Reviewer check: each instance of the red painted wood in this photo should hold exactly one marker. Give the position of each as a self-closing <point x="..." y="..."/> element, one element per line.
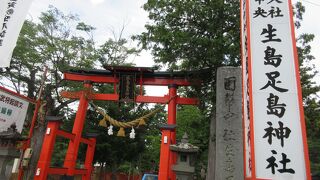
<point x="167" y="82"/>
<point x="187" y="101"/>
<point x="89" y="158"/>
<point x="66" y="134"/>
<point x="57" y="171"/>
<point x="164" y="156"/>
<point x="86" y="141"/>
<point x="168" y="158"/>
<point x="152" y="99"/>
<point x="105" y="97"/>
<point x="70" y="94"/>
<point x="172" y="114"/>
<point x="96" y="79"/>
<point x="33" y="101"/>
<point x="46" y="151"/>
<point x="80" y="171"/>
<point x="73" y="147"/>
<point x="139" y="98"/>
<point x="93" y="96"/>
<point x="145" y="81"/>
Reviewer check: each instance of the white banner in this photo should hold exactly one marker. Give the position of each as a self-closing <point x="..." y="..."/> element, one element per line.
<point x="12" y="16"/>
<point x="12" y="110"/>
<point x="275" y="138"/>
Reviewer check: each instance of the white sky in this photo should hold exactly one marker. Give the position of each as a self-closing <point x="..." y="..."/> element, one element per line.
<point x="310" y="25"/>
<point x="107" y="15"/>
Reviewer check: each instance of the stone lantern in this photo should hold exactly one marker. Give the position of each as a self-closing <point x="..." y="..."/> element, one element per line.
<point x="8" y="150"/>
<point x="185" y="165"/>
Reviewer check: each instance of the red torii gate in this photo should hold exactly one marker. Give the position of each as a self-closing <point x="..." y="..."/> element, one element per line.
<point x="143" y="76"/>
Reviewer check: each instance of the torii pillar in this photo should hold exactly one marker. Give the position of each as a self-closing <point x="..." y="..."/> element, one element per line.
<point x="73" y="148"/>
<point x="168" y="158"/>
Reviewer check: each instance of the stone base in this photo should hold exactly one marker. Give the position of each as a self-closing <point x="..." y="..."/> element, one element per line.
<point x="7" y="155"/>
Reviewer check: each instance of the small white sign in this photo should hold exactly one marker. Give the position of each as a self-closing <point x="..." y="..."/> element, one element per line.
<point x="165" y="139"/>
<point x="48" y="131"/>
<point x="15" y="167"/>
<point x="38" y="172"/>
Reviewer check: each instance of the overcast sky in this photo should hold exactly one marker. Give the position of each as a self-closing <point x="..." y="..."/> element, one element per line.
<point x="108" y="15"/>
<point x="310" y="25"/>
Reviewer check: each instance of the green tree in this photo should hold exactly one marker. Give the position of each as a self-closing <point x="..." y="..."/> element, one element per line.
<point x="193" y="35"/>
<point x="117" y="50"/>
<point x="191" y="120"/>
<point x="181" y="28"/>
<point x="309" y="90"/>
<point x="60" y="42"/>
<point x="149" y="160"/>
<point x="51" y="42"/>
<point x="189" y="35"/>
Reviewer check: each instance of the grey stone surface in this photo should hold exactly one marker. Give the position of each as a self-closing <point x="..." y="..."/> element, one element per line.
<point x="229" y="148"/>
<point x="8" y="150"/>
<point x="212" y="150"/>
<point x="7" y="154"/>
<point x="184" y="167"/>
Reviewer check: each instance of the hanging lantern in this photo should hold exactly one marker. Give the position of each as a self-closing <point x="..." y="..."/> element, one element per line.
<point x="110" y="130"/>
<point x="132" y="134"/>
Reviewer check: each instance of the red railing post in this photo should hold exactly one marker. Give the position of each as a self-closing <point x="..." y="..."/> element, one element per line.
<point x="164" y="166"/>
<point x="73" y="147"/>
<point x="89" y="158"/>
<point x="47" y="147"/>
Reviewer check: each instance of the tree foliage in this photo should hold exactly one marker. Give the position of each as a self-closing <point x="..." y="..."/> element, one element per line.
<point x="60" y="42"/>
<point x="51" y="42"/>
<point x="181" y="28"/>
<point x="191" y="120"/>
<point x="193" y="35"/>
<point x="309" y="90"/>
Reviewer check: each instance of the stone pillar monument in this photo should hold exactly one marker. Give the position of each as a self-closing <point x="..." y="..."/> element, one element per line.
<point x="229" y="141"/>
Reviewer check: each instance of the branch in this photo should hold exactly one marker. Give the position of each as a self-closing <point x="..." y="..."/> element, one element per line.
<point x="64" y="104"/>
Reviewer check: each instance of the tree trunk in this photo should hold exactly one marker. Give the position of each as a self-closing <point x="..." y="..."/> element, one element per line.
<point x="38" y="134"/>
<point x="36" y="144"/>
